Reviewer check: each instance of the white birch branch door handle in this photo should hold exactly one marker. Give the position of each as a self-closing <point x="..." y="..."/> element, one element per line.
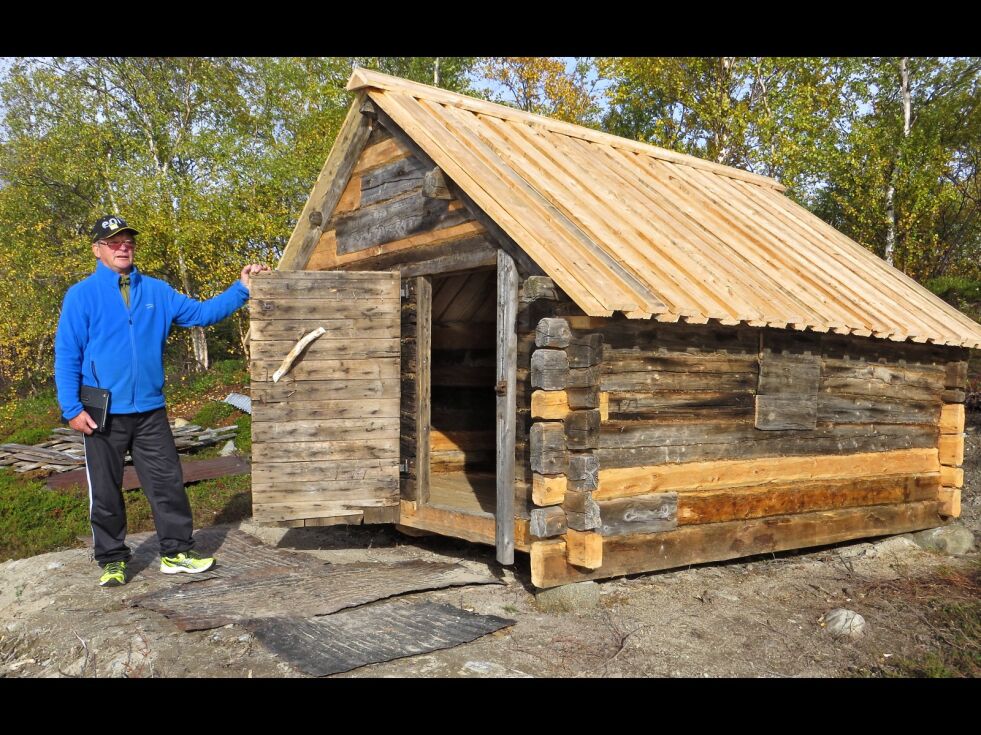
<point x="295" y="352"/>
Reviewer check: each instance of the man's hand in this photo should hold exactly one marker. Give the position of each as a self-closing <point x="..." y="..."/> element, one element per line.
<point x="84" y="423"/>
<point x="248" y="270"/>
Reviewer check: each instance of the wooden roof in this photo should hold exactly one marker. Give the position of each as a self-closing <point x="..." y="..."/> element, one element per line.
<point x="624" y="226"/>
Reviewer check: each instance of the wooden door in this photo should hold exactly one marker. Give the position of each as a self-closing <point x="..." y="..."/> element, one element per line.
<point x="325" y="436"/>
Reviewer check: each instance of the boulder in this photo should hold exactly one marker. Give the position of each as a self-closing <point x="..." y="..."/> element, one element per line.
<point x="569" y="597"/>
<point x="843" y="623"/>
<point x="951" y="540"/>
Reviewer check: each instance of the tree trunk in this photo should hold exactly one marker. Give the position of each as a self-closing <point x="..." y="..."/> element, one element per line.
<point x="891" y="189"/>
<point x="436" y="73"/>
<point x="199" y="342"/>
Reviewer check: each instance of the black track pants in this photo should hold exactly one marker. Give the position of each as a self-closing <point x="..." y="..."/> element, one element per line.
<point x="148" y="438"/>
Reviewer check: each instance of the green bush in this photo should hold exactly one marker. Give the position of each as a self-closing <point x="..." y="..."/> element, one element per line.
<point x="214" y="414"/>
<point x="26" y="417"/>
<point x="243" y="439"/>
<point x="35" y="520"/>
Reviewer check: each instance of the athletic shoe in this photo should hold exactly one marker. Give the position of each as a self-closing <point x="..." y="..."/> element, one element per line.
<point x="190" y="562"/>
<point x="113" y="574"/>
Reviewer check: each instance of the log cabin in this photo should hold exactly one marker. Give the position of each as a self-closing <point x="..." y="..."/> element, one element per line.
<point x="606" y="355"/>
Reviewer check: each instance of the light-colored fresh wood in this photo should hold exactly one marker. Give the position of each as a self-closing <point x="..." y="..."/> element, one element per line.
<point x="718" y="541"/>
<point x="480" y="529"/>
<point x="952" y="418"/>
<point x="950" y="502"/>
<point x="584" y="549"/>
<point x="506" y="374"/>
<point x="951" y="449"/>
<point x="549" y="404"/>
<point x="952" y="476"/>
<point x="548" y="489"/>
<point x="629" y="481"/>
<point x="604" y="405"/>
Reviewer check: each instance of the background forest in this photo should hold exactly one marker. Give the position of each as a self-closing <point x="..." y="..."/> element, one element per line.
<point x="212" y="159"/>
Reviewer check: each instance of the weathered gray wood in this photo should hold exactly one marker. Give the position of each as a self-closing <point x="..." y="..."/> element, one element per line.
<point x="507" y="365"/>
<point x="553" y="333"/>
<point x="955" y="375"/>
<point x="855" y="410"/>
<point x="625" y="405"/>
<point x="585" y="350"/>
<point x="583" y="377"/>
<point x="344" y="389"/>
<point x="394" y="220"/>
<point x="477" y="253"/>
<point x="547" y="522"/>
<point x="642" y="514"/>
<point x="326" y="451"/>
<point x="549" y="369"/>
<point x="392" y="179"/>
<point x="626" y="361"/>
<point x="578" y="501"/>
<point x="423" y="383"/>
<point x="327" y="347"/>
<point x="785" y="412"/>
<point x="587" y="397"/>
<point x="371" y="327"/>
<point x="953" y="396"/>
<point x="581" y="511"/>
<point x="538" y="287"/>
<point x="583" y="471"/>
<point x="303" y="308"/>
<point x="434" y="185"/>
<point x="653" y="381"/>
<point x="643" y="336"/>
<point x="320" y="370"/>
<point x="840" y="440"/>
<point x="781" y="375"/>
<point x="582" y="429"/>
<point x="549" y="455"/>
<point x="865" y="387"/>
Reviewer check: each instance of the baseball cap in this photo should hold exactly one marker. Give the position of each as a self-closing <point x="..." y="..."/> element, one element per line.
<point x="109" y="225"/>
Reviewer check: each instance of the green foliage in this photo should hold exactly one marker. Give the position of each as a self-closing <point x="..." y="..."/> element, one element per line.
<point x="24" y="418"/>
<point x="35" y="520"/>
<point x="221" y="500"/>
<point x="222" y="374"/>
<point x="545" y="86"/>
<point x="243" y="439"/>
<point x="213" y="414"/>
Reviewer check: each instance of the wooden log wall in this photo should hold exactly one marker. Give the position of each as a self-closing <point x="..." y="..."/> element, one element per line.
<point x="689" y="426"/>
<point x="388" y="217"/>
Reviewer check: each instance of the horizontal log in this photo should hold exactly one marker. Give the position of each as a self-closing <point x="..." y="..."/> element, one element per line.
<point x="955" y="375"/>
<point x="953" y="396"/>
<point x="327" y="286"/>
<point x="669" y="381"/>
<point x="549" y="369"/>
<point x="629" y="361"/>
<point x="691" y="476"/>
<point x="680" y="405"/>
<point x="303" y="308"/>
<point x="290" y="330"/>
<point x="548" y="451"/>
<point x="391" y="180"/>
<point x="950" y="502"/>
<point x="549" y="404"/>
<point x="951" y="449"/>
<point x="326" y="490"/>
<point x="547" y="522"/>
<point x="952" y="419"/>
<point x="582" y="429"/>
<point x="585" y="350"/>
<point x="548" y="489"/>
<point x="268" y="512"/>
<point x="856" y="410"/>
<point x="537" y="287"/>
<point x="584" y="549"/>
<point x="757" y="501"/>
<point x="644" y="514"/>
<point x="952" y="476"/>
<point x="840" y="440"/>
<point x="395" y="220"/>
<point x="876" y="389"/>
<point x="719" y="541"/>
<point x="455" y="524"/>
<point x="785" y="412"/>
<point x="929" y="377"/>
<point x="553" y="332"/>
<point x="645" y="336"/>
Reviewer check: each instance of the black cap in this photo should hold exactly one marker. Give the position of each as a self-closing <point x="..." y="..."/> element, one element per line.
<point x="110" y="225"/>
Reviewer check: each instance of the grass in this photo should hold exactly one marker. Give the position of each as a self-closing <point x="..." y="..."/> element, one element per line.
<point x="29" y="420"/>
<point x="214" y="414"/>
<point x="224" y="376"/>
<point x="950" y="605"/>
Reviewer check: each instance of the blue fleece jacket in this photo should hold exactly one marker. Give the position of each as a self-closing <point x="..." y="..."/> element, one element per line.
<point x="125" y="345"/>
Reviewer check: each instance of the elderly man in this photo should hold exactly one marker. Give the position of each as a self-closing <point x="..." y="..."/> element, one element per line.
<point x="111" y="335"/>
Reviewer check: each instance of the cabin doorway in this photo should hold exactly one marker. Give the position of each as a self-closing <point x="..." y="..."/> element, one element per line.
<point x="462" y="428"/>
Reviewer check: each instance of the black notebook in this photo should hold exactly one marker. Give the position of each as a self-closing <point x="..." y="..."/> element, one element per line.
<point x="96" y="404"/>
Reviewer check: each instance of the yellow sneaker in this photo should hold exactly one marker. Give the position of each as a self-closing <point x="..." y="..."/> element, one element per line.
<point x="190" y="562"/>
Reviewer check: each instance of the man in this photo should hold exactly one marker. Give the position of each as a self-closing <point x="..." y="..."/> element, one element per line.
<point x="111" y="335"/>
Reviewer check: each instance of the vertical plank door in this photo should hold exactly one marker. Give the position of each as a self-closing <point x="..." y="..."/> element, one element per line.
<point x="325" y="436"/>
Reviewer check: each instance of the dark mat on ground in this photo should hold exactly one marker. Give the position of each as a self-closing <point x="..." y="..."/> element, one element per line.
<point x="370" y="634"/>
<point x="236" y="552"/>
<point x="276" y="591"/>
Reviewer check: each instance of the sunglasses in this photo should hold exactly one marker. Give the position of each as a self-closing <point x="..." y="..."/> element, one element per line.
<point x="119" y="244"/>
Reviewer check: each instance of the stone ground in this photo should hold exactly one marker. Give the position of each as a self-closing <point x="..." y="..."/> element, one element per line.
<point x="758" y="617"/>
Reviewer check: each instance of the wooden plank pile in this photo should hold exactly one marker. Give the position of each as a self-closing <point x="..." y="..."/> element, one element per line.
<point x="64" y="451"/>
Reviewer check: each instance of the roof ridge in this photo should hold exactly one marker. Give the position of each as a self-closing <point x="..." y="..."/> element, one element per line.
<point x="366" y="78"/>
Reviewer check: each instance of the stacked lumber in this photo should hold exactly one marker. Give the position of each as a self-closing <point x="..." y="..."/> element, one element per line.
<point x="64" y="450"/>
